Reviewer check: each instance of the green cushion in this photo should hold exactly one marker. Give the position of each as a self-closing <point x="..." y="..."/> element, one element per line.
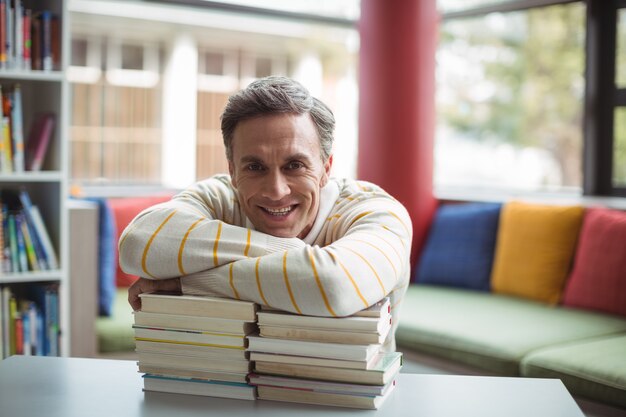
<point x="491" y="331"/>
<point x="115" y="333"/>
<point x="594" y="369"/>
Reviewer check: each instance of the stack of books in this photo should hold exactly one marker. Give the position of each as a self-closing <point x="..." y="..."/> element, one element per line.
<point x="195" y="345"/>
<point x="321" y="360"/>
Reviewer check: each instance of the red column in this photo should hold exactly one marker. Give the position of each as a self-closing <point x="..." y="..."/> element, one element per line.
<point x="397" y="104"/>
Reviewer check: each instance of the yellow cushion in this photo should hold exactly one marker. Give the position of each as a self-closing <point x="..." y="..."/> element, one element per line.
<point x="534" y="250"/>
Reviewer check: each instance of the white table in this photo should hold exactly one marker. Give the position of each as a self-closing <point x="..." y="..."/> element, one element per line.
<point x="72" y="387"/>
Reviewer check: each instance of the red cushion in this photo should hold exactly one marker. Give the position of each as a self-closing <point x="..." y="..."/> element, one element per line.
<point x="124" y="210"/>
<point x="598" y="279"/>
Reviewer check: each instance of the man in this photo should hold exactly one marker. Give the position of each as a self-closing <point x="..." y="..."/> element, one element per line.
<point x="278" y="231"/>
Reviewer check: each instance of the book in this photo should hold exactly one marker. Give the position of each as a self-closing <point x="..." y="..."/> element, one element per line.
<point x="44" y="238"/>
<point x="37" y="238"/>
<point x="324" y="335"/>
<point x="380" y="374"/>
<point x="38" y="141"/>
<point x="192" y="305"/>
<point x="320" y="386"/>
<point x="28" y="243"/>
<point x="209" y="324"/>
<point x="196" y="363"/>
<point x="192" y="373"/>
<point x="185" y="349"/>
<point x="314" y="349"/>
<point x="307" y="360"/>
<point x="198" y="387"/>
<point x="321" y="398"/>
<point x="354" y="324"/>
<point x="17" y="134"/>
<point x="7" y="153"/>
<point x="223" y="340"/>
<point x="380" y="309"/>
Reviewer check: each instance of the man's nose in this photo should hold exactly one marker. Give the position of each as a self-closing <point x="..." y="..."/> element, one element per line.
<point x="276" y="186"/>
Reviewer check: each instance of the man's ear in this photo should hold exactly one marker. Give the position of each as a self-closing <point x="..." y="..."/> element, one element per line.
<point x="327" y="167"/>
<point x="231" y="171"/>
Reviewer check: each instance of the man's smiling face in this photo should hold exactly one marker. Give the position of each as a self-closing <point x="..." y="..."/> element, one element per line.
<point x="278" y="172"/>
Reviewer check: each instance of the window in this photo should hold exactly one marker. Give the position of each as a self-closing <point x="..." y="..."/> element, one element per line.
<point x="510" y="100"/>
<point x="531" y="96"/>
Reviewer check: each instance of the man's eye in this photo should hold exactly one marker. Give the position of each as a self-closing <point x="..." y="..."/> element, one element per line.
<point x="254" y="167"/>
<point x="295" y="165"/>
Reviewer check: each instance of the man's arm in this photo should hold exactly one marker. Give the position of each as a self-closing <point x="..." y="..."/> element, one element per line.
<point x="199" y="229"/>
<point x="366" y="258"/>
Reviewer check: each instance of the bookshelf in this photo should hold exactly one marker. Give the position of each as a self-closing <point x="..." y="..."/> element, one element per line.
<point x="45" y="91"/>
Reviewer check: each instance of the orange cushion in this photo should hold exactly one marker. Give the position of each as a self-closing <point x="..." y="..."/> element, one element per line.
<point x="534" y="250"/>
<point x="124" y="210"/>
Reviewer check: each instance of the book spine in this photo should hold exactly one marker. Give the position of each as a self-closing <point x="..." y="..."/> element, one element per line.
<point x="21" y="244"/>
<point x="38" y="141"/>
<point x="54" y="328"/>
<point x="18" y="326"/>
<point x="26" y="340"/>
<point x="44" y="238"/>
<point x="5" y="295"/>
<point x="6" y="266"/>
<point x="18" y="131"/>
<point x="7" y="163"/>
<point x="15" y="263"/>
<point x="38" y="247"/>
<point x="28" y="242"/>
<point x="46" y="40"/>
<point x="35" y="36"/>
<point x="12" y="316"/>
<point x="3" y="36"/>
<point x="27" y="38"/>
<point x="18" y="50"/>
<point x="9" y="34"/>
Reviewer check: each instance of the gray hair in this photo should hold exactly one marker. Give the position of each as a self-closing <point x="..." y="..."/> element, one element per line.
<point x="273" y="95"/>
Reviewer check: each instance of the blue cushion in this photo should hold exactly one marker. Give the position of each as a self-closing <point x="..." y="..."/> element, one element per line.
<point x="460" y="247"/>
<point x="107" y="247"/>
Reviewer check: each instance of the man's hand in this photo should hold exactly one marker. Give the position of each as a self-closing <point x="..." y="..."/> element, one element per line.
<point x="150" y="285"/>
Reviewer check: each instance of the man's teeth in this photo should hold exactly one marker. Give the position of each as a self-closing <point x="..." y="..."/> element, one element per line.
<point x="279" y="212"/>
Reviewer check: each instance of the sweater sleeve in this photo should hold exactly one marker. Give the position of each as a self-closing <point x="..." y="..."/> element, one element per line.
<point x="199" y="229"/>
<point x="365" y="258"/>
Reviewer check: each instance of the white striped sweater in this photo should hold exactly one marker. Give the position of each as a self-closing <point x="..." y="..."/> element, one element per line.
<point x="356" y="253"/>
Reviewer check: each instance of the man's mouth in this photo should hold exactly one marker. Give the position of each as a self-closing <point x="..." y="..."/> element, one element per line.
<point x="282" y="211"/>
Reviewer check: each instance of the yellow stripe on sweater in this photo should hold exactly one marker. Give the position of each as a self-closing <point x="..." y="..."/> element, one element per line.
<point x="319" y="285"/>
<point x="379" y="250"/>
<point x="147" y="248"/>
<point x="258" y="281"/>
<point x="245" y="252"/>
<point x="231" y="280"/>
<point x="293" y="300"/>
<point x="371" y="267"/>
<point x="406" y="229"/>
<point x="356" y="287"/>
<point x="182" y="247"/>
<point x="217" y="241"/>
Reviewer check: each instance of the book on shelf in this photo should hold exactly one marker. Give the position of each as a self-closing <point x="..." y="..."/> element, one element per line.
<point x="307" y="360"/>
<point x="29" y="320"/>
<point x="192" y="305"/>
<point x="222" y="340"/>
<point x="192" y="373"/>
<point x="322" y="398"/>
<point x="17" y="134"/>
<point x="186" y="349"/>
<point x="209" y="324"/>
<point x="314" y="349"/>
<point x="210" y="364"/>
<point x="352" y="323"/>
<point x="29" y="39"/>
<point x="38" y="141"/>
<point x="324" y="335"/>
<point x="380" y="374"/>
<point x="319" y="385"/>
<point x="199" y="387"/>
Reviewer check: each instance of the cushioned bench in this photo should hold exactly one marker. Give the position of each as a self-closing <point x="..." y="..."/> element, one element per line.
<point x="531" y="290"/>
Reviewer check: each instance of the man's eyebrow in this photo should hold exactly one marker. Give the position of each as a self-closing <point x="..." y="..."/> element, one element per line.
<point x="250" y="158"/>
<point x="298" y="156"/>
